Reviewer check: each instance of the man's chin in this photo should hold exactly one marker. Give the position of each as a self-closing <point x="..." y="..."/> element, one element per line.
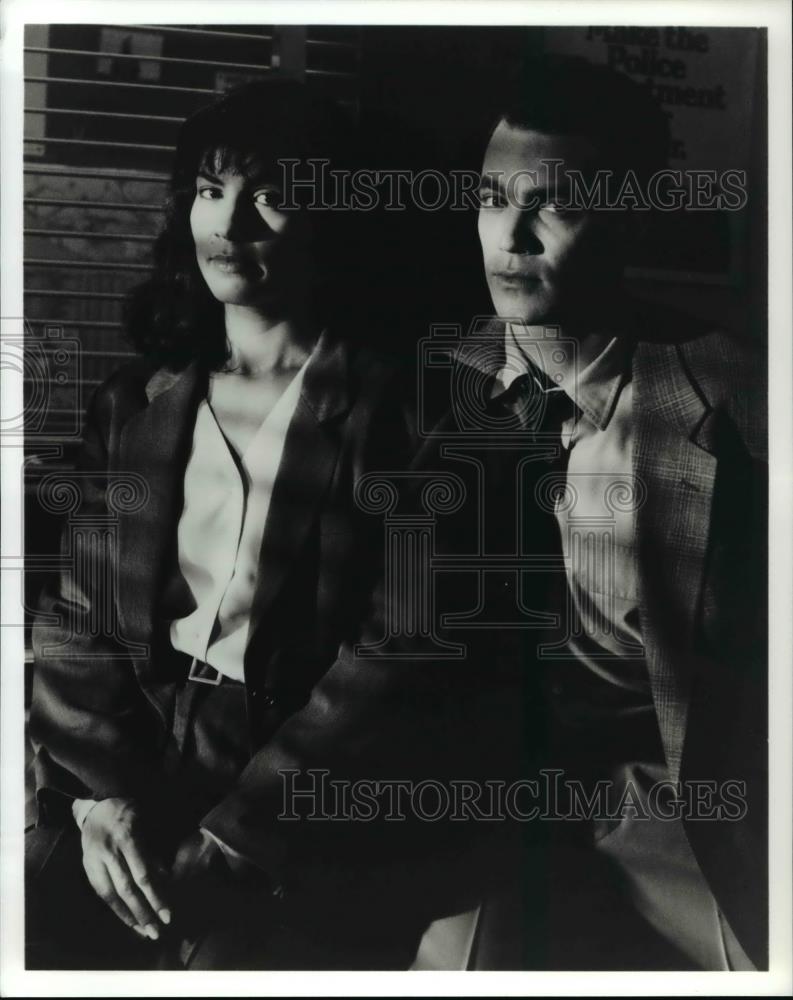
<point x="531" y="310"/>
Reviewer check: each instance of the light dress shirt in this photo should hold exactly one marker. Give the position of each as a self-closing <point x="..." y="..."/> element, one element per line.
<point x="597" y="520"/>
<point x="597" y="514"/>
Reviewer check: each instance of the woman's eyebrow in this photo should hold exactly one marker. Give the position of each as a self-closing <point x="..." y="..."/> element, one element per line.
<point x="256" y="178"/>
<point x="208" y="175"/>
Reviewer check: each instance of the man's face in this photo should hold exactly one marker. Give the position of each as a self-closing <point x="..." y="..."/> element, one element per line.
<point x="539" y="259"/>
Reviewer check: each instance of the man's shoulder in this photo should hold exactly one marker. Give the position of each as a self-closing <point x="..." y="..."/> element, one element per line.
<point x="727" y="373"/>
<point x="705" y="343"/>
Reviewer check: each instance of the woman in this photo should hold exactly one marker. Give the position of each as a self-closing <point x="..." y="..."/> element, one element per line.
<point x="221" y="466"/>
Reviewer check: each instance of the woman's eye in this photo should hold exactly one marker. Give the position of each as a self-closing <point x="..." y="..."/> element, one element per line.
<point x="269" y="197"/>
<point x="208" y="192"/>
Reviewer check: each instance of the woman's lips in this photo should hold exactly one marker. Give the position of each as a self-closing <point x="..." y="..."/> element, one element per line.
<point x="228" y="263"/>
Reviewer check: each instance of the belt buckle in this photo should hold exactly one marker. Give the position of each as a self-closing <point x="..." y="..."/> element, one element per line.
<point x="194" y="676"/>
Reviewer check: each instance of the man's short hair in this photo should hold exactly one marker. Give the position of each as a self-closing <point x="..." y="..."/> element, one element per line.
<point x="568" y="95"/>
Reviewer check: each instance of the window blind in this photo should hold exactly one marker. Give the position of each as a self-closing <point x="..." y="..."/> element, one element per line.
<point x="103" y="104"/>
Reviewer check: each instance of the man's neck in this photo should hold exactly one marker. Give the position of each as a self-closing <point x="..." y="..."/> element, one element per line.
<point x="560" y="354"/>
<point x="565" y="348"/>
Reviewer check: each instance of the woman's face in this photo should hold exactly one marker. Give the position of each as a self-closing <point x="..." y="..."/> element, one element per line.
<point x="250" y="251"/>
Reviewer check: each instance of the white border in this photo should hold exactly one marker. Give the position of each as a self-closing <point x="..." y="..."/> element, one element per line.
<point x="775" y="14"/>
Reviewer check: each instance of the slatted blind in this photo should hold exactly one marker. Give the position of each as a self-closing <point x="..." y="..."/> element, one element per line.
<point x="103" y="104"/>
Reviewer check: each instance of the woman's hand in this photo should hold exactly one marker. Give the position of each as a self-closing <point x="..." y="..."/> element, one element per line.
<point x="121" y="869"/>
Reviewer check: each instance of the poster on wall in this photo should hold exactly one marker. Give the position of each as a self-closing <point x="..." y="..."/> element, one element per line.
<point x="705" y="79"/>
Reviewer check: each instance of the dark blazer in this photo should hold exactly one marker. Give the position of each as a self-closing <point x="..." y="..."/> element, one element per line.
<point x="104" y="687"/>
<point x="104" y="684"/>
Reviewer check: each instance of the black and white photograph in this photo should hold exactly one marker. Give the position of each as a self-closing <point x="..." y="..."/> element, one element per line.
<point x="396" y="558"/>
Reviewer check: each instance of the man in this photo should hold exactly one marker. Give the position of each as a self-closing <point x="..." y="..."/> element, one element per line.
<point x="657" y="679"/>
<point x="588" y="601"/>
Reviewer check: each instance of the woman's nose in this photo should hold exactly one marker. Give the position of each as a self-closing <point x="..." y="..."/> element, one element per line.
<point x="229" y="222"/>
<point x="237" y="220"/>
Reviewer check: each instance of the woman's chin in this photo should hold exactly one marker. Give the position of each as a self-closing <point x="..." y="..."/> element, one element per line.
<point x="244" y="295"/>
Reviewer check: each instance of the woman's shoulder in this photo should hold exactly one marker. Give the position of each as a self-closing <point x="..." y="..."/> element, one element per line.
<point x="385" y="381"/>
<point x="357" y="368"/>
<point x="124" y="391"/>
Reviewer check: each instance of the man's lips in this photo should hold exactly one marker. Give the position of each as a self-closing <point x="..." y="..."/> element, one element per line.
<point x="519" y="278"/>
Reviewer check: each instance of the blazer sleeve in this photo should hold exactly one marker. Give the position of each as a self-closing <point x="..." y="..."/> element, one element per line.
<point x="93" y="731"/>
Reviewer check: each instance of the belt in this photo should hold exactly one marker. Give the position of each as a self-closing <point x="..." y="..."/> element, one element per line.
<point x="203" y="673"/>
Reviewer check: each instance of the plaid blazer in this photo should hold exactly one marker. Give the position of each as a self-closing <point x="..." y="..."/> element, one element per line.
<point x="700" y="454"/>
<point x="700" y="449"/>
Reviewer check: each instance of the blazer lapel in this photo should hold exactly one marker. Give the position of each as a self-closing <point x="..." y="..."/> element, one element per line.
<point x="155" y="443"/>
<point x="309" y="458"/>
<point x="672" y="434"/>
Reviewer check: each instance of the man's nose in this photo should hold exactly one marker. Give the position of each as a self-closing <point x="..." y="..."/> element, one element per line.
<point x="518" y="232"/>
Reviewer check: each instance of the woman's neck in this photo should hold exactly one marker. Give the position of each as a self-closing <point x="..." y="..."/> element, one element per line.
<point x="261" y="345"/>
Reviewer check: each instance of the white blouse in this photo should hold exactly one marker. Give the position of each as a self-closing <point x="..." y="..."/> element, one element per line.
<point x="220" y="532"/>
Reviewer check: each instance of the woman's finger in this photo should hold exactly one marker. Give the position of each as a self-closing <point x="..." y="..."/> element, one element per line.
<point x="148" y="877"/>
<point x="132" y="897"/>
<point x="103" y="886"/>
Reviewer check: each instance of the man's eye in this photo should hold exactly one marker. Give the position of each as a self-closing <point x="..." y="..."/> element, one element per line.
<point x="559" y="210"/>
<point x="489" y="199"/>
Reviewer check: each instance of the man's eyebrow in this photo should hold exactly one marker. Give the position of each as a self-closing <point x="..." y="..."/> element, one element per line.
<point x="537" y="195"/>
<point x="492" y="181"/>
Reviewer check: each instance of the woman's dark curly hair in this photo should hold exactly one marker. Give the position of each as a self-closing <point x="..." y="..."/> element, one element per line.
<point x="172" y="317"/>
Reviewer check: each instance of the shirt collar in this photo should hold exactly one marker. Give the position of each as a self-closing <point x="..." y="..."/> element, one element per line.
<point x="595" y="389"/>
